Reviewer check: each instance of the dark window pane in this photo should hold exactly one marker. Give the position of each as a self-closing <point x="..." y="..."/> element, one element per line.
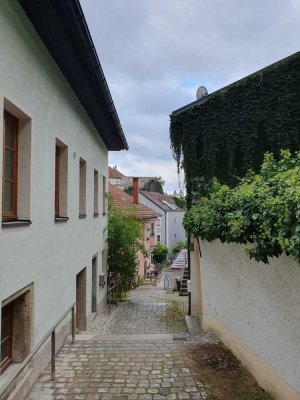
<point x="8" y="196"/>
<point x="9" y="141"/>
<point x="9" y="164"/>
<point x="4" y="328"/>
<point x="5" y="350"/>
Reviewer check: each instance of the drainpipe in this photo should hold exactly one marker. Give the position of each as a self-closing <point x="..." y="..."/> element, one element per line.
<point x="166" y="229"/>
<point x="189" y="272"/>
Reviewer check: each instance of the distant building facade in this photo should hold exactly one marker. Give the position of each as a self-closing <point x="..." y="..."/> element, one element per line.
<point x="130" y="204"/>
<point x="125" y="182"/>
<point x="169" y="228"/>
<point x="115" y="177"/>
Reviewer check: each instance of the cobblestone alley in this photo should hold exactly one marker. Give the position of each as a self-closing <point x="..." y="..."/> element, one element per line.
<point x="132" y="354"/>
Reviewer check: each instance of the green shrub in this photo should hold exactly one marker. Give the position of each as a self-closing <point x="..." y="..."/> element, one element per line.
<point x="179" y="246"/>
<point x="160" y="253"/>
<point x="263" y="210"/>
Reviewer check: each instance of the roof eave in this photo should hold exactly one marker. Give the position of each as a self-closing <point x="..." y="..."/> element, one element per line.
<point x="64" y="31"/>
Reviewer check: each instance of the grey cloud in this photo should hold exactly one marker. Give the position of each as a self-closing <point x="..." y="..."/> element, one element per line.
<point x="155" y="52"/>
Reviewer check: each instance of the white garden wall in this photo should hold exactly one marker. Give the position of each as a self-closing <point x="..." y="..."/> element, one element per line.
<point x="257" y="304"/>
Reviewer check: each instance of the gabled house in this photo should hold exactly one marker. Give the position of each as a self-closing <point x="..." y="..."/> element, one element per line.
<point x="58" y="122"/>
<point x="169" y="228"/>
<point x="115" y="177"/>
<point x="130" y="204"/>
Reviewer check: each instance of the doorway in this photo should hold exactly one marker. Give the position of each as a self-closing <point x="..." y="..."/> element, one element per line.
<point x="94" y="284"/>
<point x="81" y="300"/>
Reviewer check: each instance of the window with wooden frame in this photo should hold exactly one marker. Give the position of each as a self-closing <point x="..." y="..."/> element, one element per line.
<point x="82" y="188"/>
<point x="57" y="152"/>
<point x="152" y="229"/>
<point x="96" y="193"/>
<point x="6" y="337"/>
<point x="104" y="195"/>
<point x="61" y="181"/>
<point x="16" y="314"/>
<point x="10" y="167"/>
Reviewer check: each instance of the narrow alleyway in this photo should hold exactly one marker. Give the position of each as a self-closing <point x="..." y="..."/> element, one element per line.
<point x="132" y="354"/>
<point x="144" y="313"/>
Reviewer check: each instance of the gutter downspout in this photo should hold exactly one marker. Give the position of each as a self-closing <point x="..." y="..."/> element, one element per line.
<point x="166" y="227"/>
<point x="189" y="272"/>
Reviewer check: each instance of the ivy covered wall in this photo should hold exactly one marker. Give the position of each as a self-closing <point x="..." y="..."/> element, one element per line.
<point x="229" y="131"/>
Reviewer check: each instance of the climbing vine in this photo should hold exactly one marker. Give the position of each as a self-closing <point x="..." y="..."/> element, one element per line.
<point x="263" y="210"/>
<point x="228" y="133"/>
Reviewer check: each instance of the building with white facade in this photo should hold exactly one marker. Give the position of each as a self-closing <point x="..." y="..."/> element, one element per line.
<point x="58" y="123"/>
<point x="169" y="228"/>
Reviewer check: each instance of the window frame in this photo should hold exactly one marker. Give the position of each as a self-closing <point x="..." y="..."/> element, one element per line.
<point x="10" y="215"/>
<point x="104" y="206"/>
<point x="57" y="181"/>
<point x="61" y="181"/>
<point x="96" y="193"/>
<point x="152" y="228"/>
<point x="82" y="187"/>
<point x="8" y="339"/>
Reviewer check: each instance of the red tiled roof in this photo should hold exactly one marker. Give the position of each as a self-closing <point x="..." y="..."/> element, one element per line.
<point x="124" y="201"/>
<point x="114" y="173"/>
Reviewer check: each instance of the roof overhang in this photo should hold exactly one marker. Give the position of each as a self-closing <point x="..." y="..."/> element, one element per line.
<point x="64" y="31"/>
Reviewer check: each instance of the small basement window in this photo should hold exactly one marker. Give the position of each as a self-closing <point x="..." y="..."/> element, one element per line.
<point x="15" y="319"/>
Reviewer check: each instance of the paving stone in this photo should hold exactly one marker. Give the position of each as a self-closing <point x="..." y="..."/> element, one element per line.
<point x="133" y="367"/>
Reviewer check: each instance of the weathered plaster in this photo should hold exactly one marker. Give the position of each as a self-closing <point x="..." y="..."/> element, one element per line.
<point x="257" y="303"/>
<point x="48" y="254"/>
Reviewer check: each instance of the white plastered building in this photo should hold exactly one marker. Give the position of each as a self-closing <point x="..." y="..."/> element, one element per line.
<point x="58" y="123"/>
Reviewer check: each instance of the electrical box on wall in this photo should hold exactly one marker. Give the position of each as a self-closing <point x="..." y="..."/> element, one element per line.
<point x="102" y="279"/>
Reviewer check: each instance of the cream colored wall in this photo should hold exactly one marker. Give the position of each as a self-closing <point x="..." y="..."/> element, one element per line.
<point x="48" y="254"/>
<point x="196" y="281"/>
<point x="254" y="307"/>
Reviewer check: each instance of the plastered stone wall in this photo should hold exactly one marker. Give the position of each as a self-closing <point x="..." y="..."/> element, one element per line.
<point x="47" y="254"/>
<point x="258" y="303"/>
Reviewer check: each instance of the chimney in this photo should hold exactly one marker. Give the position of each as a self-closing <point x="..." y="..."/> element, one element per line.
<point x="136" y="190"/>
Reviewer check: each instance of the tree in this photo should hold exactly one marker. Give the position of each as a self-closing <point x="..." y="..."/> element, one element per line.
<point x="129" y="190"/>
<point x="180" y="201"/>
<point x="124" y="243"/>
<point x="179" y="246"/>
<point x="154" y="185"/>
<point x="262" y="211"/>
<point x="160" y="253"/>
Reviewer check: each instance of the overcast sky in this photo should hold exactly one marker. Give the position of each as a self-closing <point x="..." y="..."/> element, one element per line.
<point x="155" y="53"/>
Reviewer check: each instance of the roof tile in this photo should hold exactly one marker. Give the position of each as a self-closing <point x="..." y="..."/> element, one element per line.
<point x="124" y="201"/>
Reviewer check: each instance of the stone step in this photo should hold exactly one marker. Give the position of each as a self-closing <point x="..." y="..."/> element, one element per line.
<point x="193" y="325"/>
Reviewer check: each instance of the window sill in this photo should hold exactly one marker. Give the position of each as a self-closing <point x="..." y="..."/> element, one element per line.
<point x="103" y="214"/>
<point x="96" y="214"/>
<point x="61" y="219"/>
<point x="82" y="216"/>
<point x="14" y="223"/>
